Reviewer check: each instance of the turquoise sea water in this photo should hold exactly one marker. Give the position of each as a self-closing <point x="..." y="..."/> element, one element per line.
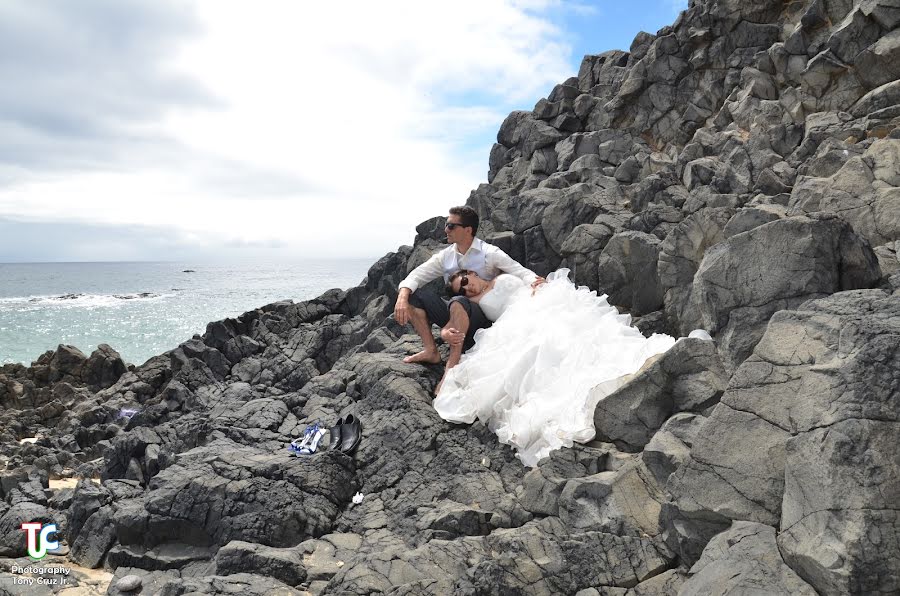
<point x="144" y="309"/>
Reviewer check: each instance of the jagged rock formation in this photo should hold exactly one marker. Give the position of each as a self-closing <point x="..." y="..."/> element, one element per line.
<point x="737" y="171"/>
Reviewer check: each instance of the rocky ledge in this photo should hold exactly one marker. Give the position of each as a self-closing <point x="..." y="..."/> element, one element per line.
<point x="737" y="171"/>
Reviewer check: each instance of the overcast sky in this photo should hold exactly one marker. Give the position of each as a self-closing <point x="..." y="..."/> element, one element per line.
<point x="276" y="130"/>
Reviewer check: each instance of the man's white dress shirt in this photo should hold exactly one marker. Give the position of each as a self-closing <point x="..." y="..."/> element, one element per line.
<point x="485" y="259"/>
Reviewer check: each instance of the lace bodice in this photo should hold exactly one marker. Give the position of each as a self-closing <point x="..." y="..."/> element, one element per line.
<point x="495" y="302"/>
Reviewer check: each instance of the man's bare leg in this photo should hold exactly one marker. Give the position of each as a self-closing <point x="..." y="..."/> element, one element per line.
<point x="457" y="327"/>
<point x="430" y="354"/>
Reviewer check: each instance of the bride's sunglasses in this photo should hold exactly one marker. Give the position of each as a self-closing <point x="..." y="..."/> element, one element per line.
<point x="463" y="281"/>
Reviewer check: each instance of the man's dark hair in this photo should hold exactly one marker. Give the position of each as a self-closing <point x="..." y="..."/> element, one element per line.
<point x="467" y="216"/>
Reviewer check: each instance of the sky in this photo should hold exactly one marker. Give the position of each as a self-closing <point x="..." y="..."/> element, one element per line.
<point x="276" y="130"/>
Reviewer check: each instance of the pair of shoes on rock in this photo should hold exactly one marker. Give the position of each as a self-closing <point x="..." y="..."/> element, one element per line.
<point x="346" y="434"/>
<point x="309" y="442"/>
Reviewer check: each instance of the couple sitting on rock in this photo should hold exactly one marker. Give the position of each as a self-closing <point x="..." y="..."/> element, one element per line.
<point x="535" y="374"/>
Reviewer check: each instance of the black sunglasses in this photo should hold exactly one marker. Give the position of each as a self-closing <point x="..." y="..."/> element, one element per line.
<point x="463" y="281"/>
<point x="453" y="226"/>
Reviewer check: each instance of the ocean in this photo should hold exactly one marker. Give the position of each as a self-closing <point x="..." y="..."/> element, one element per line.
<point x="144" y="309"/>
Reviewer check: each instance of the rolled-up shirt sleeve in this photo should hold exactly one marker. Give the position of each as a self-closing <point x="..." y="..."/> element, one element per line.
<point x="429" y="270"/>
<point x="507" y="264"/>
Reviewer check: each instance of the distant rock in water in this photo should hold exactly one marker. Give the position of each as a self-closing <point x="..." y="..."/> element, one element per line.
<point x="736" y="171"/>
<point x="135" y="296"/>
<point x="63" y="297"/>
<point x="189" y="271"/>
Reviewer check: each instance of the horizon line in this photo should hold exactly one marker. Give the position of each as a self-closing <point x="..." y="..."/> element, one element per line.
<point x="179" y="261"/>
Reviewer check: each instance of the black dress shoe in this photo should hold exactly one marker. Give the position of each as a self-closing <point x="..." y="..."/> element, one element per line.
<point x="351" y="433"/>
<point x="336" y="437"/>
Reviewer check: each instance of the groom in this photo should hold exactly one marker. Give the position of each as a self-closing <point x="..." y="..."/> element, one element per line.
<point x="459" y="318"/>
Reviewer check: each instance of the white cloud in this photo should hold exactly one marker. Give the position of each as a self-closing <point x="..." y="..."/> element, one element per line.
<point x="333" y="128"/>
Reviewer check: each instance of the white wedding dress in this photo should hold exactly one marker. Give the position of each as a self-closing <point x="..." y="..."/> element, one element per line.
<point x="530" y="376"/>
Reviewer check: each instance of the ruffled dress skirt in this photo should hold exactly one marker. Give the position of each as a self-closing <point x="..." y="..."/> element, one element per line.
<point x="536" y="376"/>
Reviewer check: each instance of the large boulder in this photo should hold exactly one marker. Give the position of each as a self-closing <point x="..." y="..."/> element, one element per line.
<point x="12" y="538"/>
<point x="245" y="494"/>
<point x="671" y="446"/>
<point x="65" y="364"/>
<point x="625" y="502"/>
<point x="283" y="564"/>
<point x="741" y="560"/>
<point x="689" y="377"/>
<point x="627" y="272"/>
<point x="95" y="538"/>
<point x="864" y="191"/>
<point x="839" y="524"/>
<point x="679" y="258"/>
<point x="103" y="368"/>
<point x="749" y="276"/>
<point x="769" y="448"/>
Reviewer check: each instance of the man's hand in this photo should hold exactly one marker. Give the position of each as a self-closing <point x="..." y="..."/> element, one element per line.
<point x="401" y="307"/>
<point x="452" y="336"/>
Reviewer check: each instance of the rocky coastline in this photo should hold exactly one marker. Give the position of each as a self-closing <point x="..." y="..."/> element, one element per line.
<point x="737" y="171"/>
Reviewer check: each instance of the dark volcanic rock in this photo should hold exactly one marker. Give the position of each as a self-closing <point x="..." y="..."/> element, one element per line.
<point x="285" y="565"/>
<point x="103" y="368"/>
<point x="627" y="272"/>
<point x="12" y="538"/>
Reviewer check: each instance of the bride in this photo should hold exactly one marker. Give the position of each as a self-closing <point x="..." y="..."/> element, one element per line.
<point x="536" y="375"/>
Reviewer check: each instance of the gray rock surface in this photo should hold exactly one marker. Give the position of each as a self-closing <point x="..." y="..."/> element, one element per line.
<point x="743" y="560"/>
<point x="797" y="384"/>
<point x="687" y="378"/>
<point x="129" y="583"/>
<point x="627" y="272"/>
<point x="736" y="289"/>
<point x="285" y="565"/>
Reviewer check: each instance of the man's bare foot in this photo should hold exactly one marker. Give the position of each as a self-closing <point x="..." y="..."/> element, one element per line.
<point x="423" y="357"/>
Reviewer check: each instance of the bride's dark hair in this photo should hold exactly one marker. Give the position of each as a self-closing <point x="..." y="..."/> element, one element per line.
<point x="450" y="291"/>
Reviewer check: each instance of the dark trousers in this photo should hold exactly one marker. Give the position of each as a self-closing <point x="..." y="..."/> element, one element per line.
<point x="437" y="310"/>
